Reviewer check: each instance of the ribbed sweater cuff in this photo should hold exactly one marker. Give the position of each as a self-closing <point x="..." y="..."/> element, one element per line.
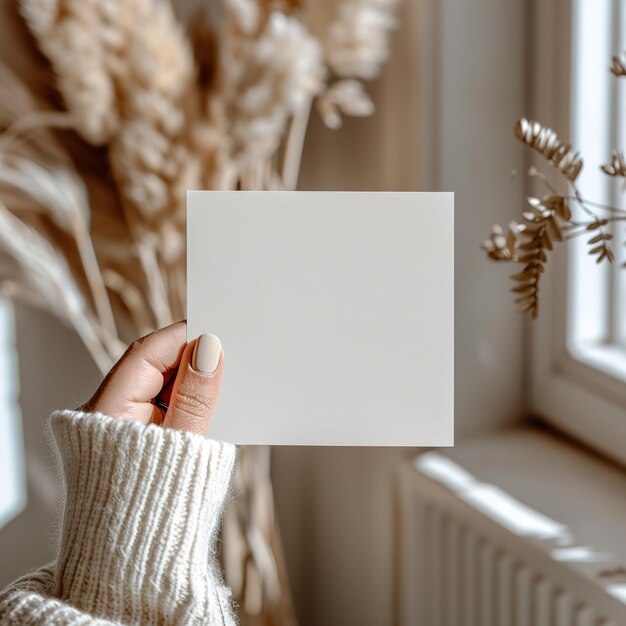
<point x="143" y="504"/>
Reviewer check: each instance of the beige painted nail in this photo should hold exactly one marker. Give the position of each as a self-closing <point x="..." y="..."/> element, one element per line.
<point x="206" y="354"/>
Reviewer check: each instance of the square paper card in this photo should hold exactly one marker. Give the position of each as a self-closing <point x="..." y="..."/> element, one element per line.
<point x="335" y="310"/>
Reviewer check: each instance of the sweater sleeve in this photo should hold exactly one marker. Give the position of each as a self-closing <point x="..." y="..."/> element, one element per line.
<point x="142" y="509"/>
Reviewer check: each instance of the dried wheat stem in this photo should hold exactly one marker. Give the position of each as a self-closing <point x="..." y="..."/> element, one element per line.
<point x="84" y="244"/>
<point x="22" y="241"/>
<point x="581" y="202"/>
<point x="148" y="258"/>
<point x="91" y="268"/>
<point x="534" y="172"/>
<point x="86" y="330"/>
<point x="250" y="177"/>
<point x="227" y="178"/>
<point x="578" y="197"/>
<point x="181" y="287"/>
<point x="267" y="169"/>
<point x="599" y="205"/>
<point x="157" y="292"/>
<point x="255" y="176"/>
<point x="17" y="292"/>
<point x="173" y="277"/>
<point x="278" y="550"/>
<point x="295" y="144"/>
<point x="583" y="226"/>
<point x="132" y="299"/>
<point x="33" y="121"/>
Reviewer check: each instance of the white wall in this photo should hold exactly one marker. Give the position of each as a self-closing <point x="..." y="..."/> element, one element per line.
<point x="446" y="107"/>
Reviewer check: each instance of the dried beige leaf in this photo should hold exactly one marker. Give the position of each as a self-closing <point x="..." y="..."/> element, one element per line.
<point x="617" y="166"/>
<point x="618" y="66"/>
<point x="545" y="141"/>
<point x="603" y="250"/>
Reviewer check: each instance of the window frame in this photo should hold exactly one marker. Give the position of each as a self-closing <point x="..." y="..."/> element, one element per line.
<point x="566" y="390"/>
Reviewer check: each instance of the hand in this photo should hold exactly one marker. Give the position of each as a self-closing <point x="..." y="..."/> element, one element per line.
<point x="162" y="379"/>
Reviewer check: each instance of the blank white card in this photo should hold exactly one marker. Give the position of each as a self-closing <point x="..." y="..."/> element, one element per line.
<point x="335" y="311"/>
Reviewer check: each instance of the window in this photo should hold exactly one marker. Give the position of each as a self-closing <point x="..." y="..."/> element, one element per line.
<point x="597" y="294"/>
<point x="12" y="478"/>
<point x="578" y="361"/>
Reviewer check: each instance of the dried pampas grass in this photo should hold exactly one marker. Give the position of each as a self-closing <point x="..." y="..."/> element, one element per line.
<point x="344" y="97"/>
<point x="354" y="34"/>
<point x="66" y="33"/>
<point x="46" y="278"/>
<point x="94" y="174"/>
<point x="267" y="78"/>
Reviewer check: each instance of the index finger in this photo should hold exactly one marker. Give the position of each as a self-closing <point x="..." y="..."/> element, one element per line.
<point x="141" y="372"/>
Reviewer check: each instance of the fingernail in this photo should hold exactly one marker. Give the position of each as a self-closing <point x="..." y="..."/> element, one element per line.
<point x="206" y="354"/>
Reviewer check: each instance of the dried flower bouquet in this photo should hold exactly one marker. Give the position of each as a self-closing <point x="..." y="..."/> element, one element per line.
<point x="109" y="111"/>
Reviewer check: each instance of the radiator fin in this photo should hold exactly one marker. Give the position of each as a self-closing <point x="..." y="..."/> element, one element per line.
<point x="471" y="581"/>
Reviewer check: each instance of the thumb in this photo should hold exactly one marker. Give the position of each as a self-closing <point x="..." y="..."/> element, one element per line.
<point x="197" y="385"/>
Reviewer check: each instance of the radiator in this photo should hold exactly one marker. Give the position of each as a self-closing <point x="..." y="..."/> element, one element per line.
<point x="460" y="565"/>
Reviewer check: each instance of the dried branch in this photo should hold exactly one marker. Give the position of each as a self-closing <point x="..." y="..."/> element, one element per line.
<point x="617" y="166"/>
<point x="602" y="250"/>
<point x="618" y="66"/>
<point x="501" y="247"/>
<point x="543" y="227"/>
<point x="598" y="205"/>
<point x="533" y="257"/>
<point x="549" y="220"/>
<point x="545" y="141"/>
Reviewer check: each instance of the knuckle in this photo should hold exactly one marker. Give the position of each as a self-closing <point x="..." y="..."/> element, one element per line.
<point x="189" y="402"/>
<point x="136" y="345"/>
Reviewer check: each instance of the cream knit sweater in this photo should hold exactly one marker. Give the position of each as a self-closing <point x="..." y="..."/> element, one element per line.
<point x="142" y="509"/>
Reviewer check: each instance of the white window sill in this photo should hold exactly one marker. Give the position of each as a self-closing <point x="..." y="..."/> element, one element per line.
<point x="610" y="359"/>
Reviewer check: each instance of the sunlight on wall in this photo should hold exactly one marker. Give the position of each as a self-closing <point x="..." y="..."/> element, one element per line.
<point x="618" y="590"/>
<point x="579" y="554"/>
<point x="12" y="475"/>
<point x="491" y="500"/>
